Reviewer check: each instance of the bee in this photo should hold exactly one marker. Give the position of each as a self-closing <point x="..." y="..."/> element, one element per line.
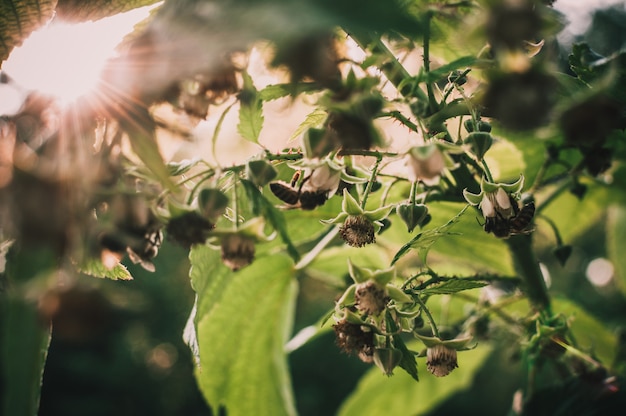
<point x="520" y="222"/>
<point x="498" y="225"/>
<point x="306" y="200"/>
<point x="517" y="224"/>
<point x="146" y="249"/>
<point x="285" y="193"/>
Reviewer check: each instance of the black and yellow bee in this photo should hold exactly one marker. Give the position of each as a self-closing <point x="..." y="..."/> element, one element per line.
<point x="517" y="224"/>
<point x="298" y="198"/>
<point x="520" y="223"/>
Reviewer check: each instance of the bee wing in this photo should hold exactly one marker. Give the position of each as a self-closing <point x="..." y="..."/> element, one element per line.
<point x="137" y="259"/>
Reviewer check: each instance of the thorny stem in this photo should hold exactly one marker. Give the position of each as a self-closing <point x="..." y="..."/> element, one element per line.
<point x="431" y="320"/>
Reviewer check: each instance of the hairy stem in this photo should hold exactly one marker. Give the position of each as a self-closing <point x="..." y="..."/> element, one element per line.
<point x="527" y="267"/>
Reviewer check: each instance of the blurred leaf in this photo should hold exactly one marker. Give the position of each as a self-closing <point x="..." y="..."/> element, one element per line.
<point x="591" y="335"/>
<point x="95" y="268"/>
<point x="331" y="264"/>
<point x="261" y="206"/>
<point x="23" y="354"/>
<point x="400" y="395"/>
<point x="506" y="161"/>
<point x="276" y="91"/>
<point x="314" y="119"/>
<point x="616" y="241"/>
<point x="139" y="126"/>
<point x="83" y="10"/>
<point x="530" y="153"/>
<point x="24" y="335"/>
<point x="453" y="286"/>
<point x="424" y="240"/>
<point x="243" y="321"/>
<point x="250" y="111"/>
<point x="371" y="15"/>
<point x="18" y="19"/>
<point x="181" y="167"/>
<point x="580" y="214"/>
<point x="443" y="71"/>
<point x="594" y="68"/>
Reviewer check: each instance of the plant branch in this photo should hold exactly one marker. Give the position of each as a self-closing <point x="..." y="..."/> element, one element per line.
<point x="527" y="267"/>
<point x="429" y="316"/>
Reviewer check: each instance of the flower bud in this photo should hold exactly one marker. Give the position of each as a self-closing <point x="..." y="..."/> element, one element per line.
<point x="237" y="250"/>
<point x="479" y="143"/>
<point x="260" y="172"/>
<point x="412" y="214"/>
<point x="370" y="298"/>
<point x="212" y="203"/>
<point x="441" y="360"/>
<point x="562" y="253"/>
<point x="357" y="231"/>
<point x="352" y="339"/>
<point x="387" y="359"/>
<point x="425" y="163"/>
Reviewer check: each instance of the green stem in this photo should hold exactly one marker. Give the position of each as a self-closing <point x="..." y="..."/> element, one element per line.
<point x="321" y="245"/>
<point x="432" y="102"/>
<point x="555" y="230"/>
<point x="413" y="192"/>
<point x="235" y="204"/>
<point x="392" y="68"/>
<point x="487" y="171"/>
<point x="527" y="267"/>
<point x="429" y="316"/>
<point x="368" y="188"/>
<point x="548" y="200"/>
<point x="192" y="193"/>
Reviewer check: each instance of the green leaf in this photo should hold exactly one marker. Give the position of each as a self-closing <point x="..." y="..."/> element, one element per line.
<point x="399" y="395"/>
<point x="80" y="11"/>
<point x="453" y="286"/>
<point x="23" y="353"/>
<point x="24" y="335"/>
<point x="616" y="241"/>
<point x="408" y="362"/>
<point x="140" y="128"/>
<point x="181" y="167"/>
<point x="242" y="324"/>
<point x="250" y="111"/>
<point x="424" y="240"/>
<point x="18" y="19"/>
<point x="276" y="91"/>
<point x="370" y="15"/>
<point x="94" y="267"/>
<point x="261" y="206"/>
<point x="443" y="71"/>
<point x="312" y="120"/>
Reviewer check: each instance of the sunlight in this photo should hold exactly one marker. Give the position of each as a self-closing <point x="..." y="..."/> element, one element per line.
<point x="65" y="60"/>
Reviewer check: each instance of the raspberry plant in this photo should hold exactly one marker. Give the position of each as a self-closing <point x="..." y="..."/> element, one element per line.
<point x="430" y="174"/>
